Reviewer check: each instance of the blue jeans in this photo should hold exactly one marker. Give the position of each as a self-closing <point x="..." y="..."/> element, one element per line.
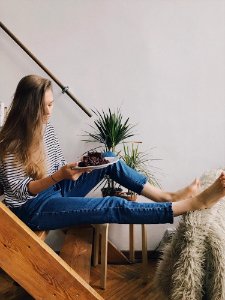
<point x="64" y="204"/>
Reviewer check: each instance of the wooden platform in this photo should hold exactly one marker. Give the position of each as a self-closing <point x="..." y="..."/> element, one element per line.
<point x="35" y="266"/>
<point x="39" y="270"/>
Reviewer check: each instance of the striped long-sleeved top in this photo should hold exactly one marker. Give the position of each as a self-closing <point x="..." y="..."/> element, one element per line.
<point x="15" y="180"/>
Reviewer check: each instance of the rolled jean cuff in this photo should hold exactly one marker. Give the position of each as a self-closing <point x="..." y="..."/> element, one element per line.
<point x="141" y="184"/>
<point x="170" y="213"/>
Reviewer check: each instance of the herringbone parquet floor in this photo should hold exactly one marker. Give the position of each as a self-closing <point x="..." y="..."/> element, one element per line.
<point x="124" y="282"/>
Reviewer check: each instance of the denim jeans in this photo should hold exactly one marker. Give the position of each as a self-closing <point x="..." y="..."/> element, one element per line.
<point x="64" y="204"/>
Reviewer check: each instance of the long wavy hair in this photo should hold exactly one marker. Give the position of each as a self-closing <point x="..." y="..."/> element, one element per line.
<point x="22" y="132"/>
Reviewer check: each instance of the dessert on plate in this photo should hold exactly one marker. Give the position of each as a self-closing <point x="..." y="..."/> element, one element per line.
<point x="93" y="159"/>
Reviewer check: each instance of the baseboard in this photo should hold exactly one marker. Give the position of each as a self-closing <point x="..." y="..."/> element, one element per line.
<point x="152" y="254"/>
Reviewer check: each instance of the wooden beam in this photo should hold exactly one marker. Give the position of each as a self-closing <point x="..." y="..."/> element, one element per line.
<point x="35" y="266"/>
<point x="115" y="256"/>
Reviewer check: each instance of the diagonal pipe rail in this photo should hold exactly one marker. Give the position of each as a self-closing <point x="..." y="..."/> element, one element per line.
<point x="65" y="89"/>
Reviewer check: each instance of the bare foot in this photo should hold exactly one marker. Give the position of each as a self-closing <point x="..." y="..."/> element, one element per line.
<point x="187" y="192"/>
<point x="206" y="199"/>
<point x="211" y="195"/>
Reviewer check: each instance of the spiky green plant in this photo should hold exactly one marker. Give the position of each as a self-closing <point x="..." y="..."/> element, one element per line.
<point x="109" y="129"/>
<point x="139" y="161"/>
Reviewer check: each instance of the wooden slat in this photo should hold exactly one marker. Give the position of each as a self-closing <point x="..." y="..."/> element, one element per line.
<point x="42" y="234"/>
<point x="77" y="250"/>
<point x="131" y="243"/>
<point x="35" y="266"/>
<point x="104" y="255"/>
<point x="144" y="252"/>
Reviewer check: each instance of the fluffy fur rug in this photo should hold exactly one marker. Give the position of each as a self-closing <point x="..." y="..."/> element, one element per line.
<point x="193" y="263"/>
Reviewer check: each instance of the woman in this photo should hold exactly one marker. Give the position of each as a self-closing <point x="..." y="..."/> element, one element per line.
<point x="46" y="193"/>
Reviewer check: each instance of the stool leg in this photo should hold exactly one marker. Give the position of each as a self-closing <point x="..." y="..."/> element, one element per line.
<point x="96" y="245"/>
<point x="104" y="254"/>
<point x="144" y="252"/>
<point x="131" y="241"/>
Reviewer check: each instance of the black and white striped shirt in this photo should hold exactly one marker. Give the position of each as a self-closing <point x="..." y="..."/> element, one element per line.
<point x="15" y="180"/>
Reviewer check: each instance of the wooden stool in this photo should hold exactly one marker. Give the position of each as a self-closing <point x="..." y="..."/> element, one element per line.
<point x="102" y="229"/>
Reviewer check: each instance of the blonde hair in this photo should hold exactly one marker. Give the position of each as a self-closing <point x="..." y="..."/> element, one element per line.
<point x="22" y="133"/>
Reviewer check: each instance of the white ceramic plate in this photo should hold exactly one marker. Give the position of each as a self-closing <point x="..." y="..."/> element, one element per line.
<point x="111" y="160"/>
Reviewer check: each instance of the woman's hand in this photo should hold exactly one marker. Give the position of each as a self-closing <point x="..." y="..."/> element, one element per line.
<point x="65" y="172"/>
<point x="68" y="171"/>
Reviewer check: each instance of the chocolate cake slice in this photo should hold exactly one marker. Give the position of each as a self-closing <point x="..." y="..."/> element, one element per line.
<point x="93" y="159"/>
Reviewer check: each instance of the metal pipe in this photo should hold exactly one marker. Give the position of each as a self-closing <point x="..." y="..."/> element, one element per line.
<point x="65" y="89"/>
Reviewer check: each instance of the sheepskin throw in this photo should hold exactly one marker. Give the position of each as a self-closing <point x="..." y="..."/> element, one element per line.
<point x="193" y="263"/>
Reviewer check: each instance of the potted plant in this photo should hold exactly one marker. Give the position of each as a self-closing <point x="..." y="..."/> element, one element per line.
<point x="139" y="161"/>
<point x="109" y="130"/>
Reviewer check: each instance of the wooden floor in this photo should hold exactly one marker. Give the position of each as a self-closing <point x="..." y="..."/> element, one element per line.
<point x="124" y="282"/>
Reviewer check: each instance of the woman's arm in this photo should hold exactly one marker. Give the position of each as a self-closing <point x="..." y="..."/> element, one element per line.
<point x="65" y="172"/>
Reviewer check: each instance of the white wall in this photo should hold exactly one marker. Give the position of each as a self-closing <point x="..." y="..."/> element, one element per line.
<point x="162" y="62"/>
